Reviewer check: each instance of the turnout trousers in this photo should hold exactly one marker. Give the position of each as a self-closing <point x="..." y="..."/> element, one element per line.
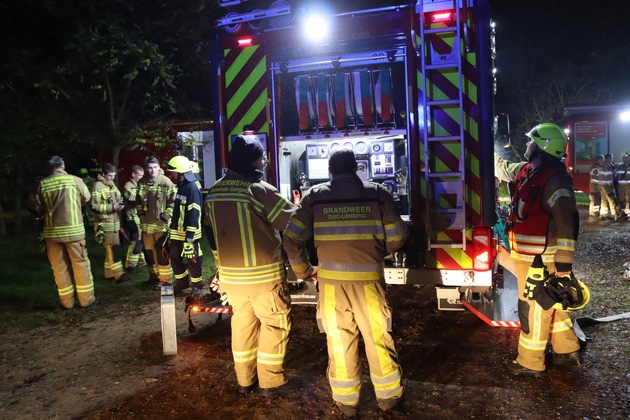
<point x="113" y="264"/>
<point x="609" y="202"/>
<point x="344" y="311"/>
<point x="62" y="256"/>
<point x="158" y="265"/>
<point x="260" y="331"/>
<point x="538" y="326"/>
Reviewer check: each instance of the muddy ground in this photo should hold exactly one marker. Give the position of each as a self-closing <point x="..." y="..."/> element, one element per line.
<point x="453" y="363"/>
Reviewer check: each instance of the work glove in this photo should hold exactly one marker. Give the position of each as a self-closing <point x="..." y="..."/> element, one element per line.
<point x="536" y="274"/>
<point x="215" y="286"/>
<point x="99" y="235"/>
<point x="165" y="217"/>
<point x="188" y="252"/>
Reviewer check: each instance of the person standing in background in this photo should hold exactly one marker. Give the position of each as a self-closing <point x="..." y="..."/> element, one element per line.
<point x="595" y="195"/>
<point x="154" y="203"/>
<point x="107" y="203"/>
<point x="135" y="256"/>
<point x="58" y="200"/>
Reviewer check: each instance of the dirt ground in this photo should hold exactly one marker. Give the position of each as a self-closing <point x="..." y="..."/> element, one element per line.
<point x="453" y="363"/>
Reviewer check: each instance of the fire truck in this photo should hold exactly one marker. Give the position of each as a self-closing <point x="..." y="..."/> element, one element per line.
<point x="409" y="88"/>
<point x="595" y="130"/>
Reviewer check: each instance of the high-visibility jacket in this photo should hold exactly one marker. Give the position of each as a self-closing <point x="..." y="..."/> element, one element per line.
<point x="130" y="192"/>
<point x="606" y="174"/>
<point x="594" y="179"/>
<point x="544" y="197"/>
<point x="354" y="224"/>
<point x="623" y="175"/>
<point x="59" y="198"/>
<point x="186" y="220"/>
<point x="155" y="202"/>
<point x="245" y="219"/>
<point x="104" y="195"/>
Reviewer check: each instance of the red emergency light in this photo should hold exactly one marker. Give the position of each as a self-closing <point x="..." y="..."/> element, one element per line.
<point x="444" y="16"/>
<point x="483" y="249"/>
<point x="245" y="42"/>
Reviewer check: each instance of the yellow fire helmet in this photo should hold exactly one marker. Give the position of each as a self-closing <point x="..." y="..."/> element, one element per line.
<point x="194" y="167"/>
<point x="569" y="293"/>
<point x="549" y="138"/>
<point x="179" y="164"/>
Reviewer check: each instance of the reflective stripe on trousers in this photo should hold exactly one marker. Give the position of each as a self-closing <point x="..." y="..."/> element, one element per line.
<point x="260" y="332"/>
<point x="543" y="325"/>
<point x="345" y="311"/>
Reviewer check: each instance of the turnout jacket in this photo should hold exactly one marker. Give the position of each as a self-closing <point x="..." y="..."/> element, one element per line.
<point x="186" y="220"/>
<point x="104" y="195"/>
<point x="244" y="218"/>
<point x="130" y="192"/>
<point x="59" y="198"/>
<point x="355" y="224"/>
<point x="606" y="176"/>
<point x="544" y="218"/>
<point x="155" y="202"/>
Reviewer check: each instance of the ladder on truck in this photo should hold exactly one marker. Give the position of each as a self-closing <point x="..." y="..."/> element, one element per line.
<point x="445" y="183"/>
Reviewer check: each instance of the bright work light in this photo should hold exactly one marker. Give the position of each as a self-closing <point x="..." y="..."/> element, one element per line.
<point x="625" y="116"/>
<point x="316" y="27"/>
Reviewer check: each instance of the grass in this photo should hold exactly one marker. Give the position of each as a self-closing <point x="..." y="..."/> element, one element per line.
<point x="28" y="293"/>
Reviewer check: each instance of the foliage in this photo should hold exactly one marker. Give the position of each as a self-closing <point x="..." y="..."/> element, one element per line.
<point x="80" y="77"/>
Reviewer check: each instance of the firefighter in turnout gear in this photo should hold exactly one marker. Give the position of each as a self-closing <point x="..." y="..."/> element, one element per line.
<point x="135" y="256"/>
<point x="106" y="203"/>
<point x="354" y="224"/>
<point x="59" y="199"/>
<point x="155" y="202"/>
<point x="185" y="228"/>
<point x="607" y="189"/>
<point x="623" y="179"/>
<point x="544" y="221"/>
<point x="595" y="195"/>
<point x="244" y="216"/>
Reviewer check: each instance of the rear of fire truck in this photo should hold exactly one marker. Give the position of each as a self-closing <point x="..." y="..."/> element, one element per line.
<point x="409" y="88"/>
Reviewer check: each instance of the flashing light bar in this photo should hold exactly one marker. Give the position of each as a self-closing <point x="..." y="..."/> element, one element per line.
<point x="245" y="42"/>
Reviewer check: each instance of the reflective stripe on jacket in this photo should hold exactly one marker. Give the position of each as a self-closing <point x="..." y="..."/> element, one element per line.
<point x="155" y="198"/>
<point x="355" y="224"/>
<point x="104" y="195"/>
<point x="245" y="219"/>
<point x="59" y="199"/>
<point x="557" y="200"/>
<point x="186" y="220"/>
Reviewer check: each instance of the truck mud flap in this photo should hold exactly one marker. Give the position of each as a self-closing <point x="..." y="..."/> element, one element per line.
<point x="499" y="307"/>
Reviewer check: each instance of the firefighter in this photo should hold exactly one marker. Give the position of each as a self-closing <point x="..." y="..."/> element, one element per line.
<point x="354" y="224"/>
<point x="544" y="221"/>
<point x="185" y="228"/>
<point x="155" y="202"/>
<point x="596" y="197"/>
<point x="607" y="189"/>
<point x="135" y="256"/>
<point x="244" y="216"/>
<point x="623" y="179"/>
<point x="58" y="199"/>
<point x="106" y="203"/>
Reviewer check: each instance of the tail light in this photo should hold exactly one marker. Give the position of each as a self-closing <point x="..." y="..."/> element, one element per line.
<point x="483" y="249"/>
